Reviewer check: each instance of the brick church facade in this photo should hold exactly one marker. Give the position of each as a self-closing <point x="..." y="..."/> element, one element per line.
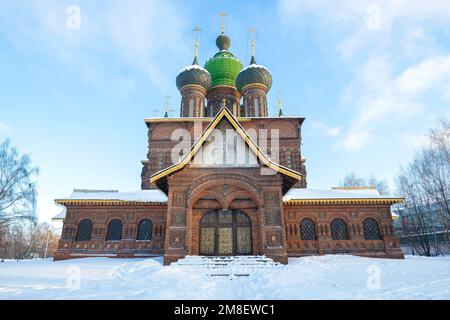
<point x="225" y="179"/>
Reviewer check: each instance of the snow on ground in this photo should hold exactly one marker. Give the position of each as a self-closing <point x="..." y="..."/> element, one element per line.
<point x="322" y="277"/>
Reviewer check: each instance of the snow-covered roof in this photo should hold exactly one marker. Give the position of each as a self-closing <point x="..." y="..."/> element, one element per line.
<point x="150" y="196"/>
<point x="315" y="194"/>
<point x="193" y="66"/>
<point x="254" y="65"/>
<point x="363" y="190"/>
<point x="61" y="215"/>
<point x="153" y="195"/>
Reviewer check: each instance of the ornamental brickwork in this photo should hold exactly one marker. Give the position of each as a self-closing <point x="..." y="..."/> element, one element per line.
<point x="176" y="227"/>
<point x="387" y="246"/>
<point x="100" y="214"/>
<point x="224" y="209"/>
<point x="197" y="191"/>
<point x="160" y="144"/>
<point x="222" y="96"/>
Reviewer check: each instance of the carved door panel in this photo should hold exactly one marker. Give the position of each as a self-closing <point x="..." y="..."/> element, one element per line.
<point x="225" y="241"/>
<point x="207" y="241"/>
<point x="243" y="240"/>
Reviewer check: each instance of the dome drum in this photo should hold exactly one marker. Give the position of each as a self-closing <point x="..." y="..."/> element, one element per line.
<point x="222" y="96"/>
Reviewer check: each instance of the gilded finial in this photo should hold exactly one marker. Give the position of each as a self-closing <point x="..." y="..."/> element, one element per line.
<point x="252" y="31"/>
<point x="223" y="15"/>
<point x="280" y="105"/>
<point x="166" y="106"/>
<point x="196" y="30"/>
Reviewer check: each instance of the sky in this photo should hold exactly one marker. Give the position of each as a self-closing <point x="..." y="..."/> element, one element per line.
<point x="77" y="78"/>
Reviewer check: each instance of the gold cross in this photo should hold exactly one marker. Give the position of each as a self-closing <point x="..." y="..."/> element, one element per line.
<point x="252" y="31"/>
<point x="196" y="30"/>
<point x="280" y="101"/>
<point x="223" y="15"/>
<point x="166" y="103"/>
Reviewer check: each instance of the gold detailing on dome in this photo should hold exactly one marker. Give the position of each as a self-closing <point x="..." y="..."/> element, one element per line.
<point x="253" y="85"/>
<point x="194" y="86"/>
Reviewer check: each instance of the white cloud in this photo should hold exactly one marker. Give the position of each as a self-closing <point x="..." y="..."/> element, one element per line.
<point x="382" y="96"/>
<point x="322" y="128"/>
<point x="138" y="33"/>
<point x="428" y="74"/>
<point x="397" y="63"/>
<point x="359" y="12"/>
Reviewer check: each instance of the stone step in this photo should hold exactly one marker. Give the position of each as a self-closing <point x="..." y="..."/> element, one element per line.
<point x="227" y="275"/>
<point x="225" y="261"/>
<point x="224" y="267"/>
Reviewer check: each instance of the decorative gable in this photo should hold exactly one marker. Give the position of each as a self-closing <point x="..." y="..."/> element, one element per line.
<point x="224" y="120"/>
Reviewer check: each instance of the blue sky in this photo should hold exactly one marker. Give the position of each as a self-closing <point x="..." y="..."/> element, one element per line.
<point x="371" y="78"/>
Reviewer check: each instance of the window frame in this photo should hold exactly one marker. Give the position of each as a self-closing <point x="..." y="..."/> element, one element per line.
<point x="151" y="230"/>
<point x="333" y="233"/>
<point x="307" y="219"/>
<point x="78" y="230"/>
<point x="108" y="231"/>
<point x="377" y="224"/>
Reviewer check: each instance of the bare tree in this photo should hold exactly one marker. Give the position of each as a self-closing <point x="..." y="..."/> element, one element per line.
<point x="426" y="187"/>
<point x="415" y="220"/>
<point x="28" y="240"/>
<point x="440" y="138"/>
<point x="437" y="158"/>
<point x="352" y="180"/>
<point x="17" y="187"/>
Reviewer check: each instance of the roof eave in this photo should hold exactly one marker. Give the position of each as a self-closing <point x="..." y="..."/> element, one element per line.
<point x="66" y="202"/>
<point x="386" y="201"/>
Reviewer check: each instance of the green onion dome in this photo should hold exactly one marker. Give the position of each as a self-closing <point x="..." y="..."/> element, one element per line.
<point x="223" y="67"/>
<point x="194" y="75"/>
<point x="254" y="74"/>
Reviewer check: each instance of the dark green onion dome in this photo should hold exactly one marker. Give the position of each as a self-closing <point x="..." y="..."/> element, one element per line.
<point x="223" y="67"/>
<point x="252" y="74"/>
<point x="194" y="74"/>
<point x="223" y="42"/>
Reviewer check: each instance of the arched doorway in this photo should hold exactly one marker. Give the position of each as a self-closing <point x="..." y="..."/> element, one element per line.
<point x="225" y="233"/>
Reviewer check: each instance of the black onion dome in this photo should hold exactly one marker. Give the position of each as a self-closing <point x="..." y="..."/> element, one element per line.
<point x="252" y="74"/>
<point x="194" y="74"/>
<point x="223" y="42"/>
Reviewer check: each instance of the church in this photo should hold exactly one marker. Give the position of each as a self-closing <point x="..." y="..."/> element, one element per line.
<point x="226" y="179"/>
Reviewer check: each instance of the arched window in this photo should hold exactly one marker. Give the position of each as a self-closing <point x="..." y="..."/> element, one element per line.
<point x="371" y="229"/>
<point x="84" y="230"/>
<point x="307" y="229"/>
<point x="339" y="230"/>
<point x="144" y="232"/>
<point x="114" y="230"/>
